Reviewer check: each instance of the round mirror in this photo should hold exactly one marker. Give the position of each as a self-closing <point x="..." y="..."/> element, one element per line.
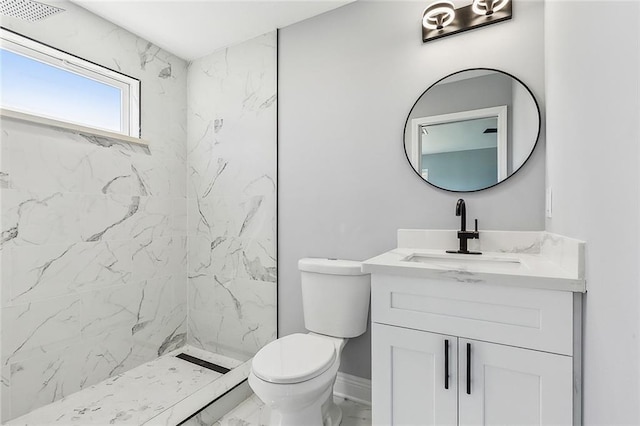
<point x="472" y="130"/>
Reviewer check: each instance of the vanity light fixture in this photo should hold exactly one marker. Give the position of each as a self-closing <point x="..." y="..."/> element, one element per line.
<point x="441" y="18"/>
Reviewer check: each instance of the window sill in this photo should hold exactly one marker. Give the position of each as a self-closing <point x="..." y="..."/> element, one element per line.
<point x="21" y="116"/>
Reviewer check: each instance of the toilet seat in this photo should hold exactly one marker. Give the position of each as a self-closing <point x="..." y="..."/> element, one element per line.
<point x="294" y="359"/>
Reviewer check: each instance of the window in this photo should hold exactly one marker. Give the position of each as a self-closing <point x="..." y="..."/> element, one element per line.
<point x="42" y="81"/>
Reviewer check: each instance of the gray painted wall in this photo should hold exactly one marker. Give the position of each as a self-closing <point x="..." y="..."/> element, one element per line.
<point x="593" y="87"/>
<point x="473" y="93"/>
<point x="455" y="169"/>
<point x="347" y="80"/>
<point x="522" y="126"/>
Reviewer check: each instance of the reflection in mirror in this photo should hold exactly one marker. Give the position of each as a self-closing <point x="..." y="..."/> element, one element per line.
<point x="472" y="130"/>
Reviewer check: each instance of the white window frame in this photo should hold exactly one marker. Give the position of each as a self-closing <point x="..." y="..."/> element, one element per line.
<point x="129" y="86"/>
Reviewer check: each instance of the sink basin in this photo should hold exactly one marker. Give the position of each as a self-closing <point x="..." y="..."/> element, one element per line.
<point x="462" y="259"/>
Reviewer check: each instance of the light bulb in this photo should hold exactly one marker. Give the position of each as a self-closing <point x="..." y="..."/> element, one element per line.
<point x="438" y="15"/>
<point x="488" y="7"/>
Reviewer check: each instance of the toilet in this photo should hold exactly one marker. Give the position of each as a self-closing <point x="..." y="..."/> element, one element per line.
<point x="294" y="375"/>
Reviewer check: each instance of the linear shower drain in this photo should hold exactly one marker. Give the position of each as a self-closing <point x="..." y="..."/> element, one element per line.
<point x="202" y="363"/>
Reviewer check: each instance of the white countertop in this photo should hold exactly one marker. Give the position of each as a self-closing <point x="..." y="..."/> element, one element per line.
<point x="536" y="260"/>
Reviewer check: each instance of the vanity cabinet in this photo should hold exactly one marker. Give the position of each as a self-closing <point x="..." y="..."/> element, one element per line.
<point x="448" y="352"/>
<point x="408" y="381"/>
<point x="505" y="385"/>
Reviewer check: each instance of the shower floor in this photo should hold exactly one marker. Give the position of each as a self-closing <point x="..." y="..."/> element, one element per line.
<point x="164" y="391"/>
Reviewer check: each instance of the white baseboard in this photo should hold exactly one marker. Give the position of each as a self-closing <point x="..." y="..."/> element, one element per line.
<point x="353" y="387"/>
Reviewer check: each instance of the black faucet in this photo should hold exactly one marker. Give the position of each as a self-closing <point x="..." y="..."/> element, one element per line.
<point x="463" y="234"/>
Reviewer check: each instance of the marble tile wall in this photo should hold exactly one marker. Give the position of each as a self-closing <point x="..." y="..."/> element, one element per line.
<point x="231" y="198"/>
<point x="93" y="251"/>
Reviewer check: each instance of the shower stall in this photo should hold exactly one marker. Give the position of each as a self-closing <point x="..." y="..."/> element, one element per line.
<point x="121" y="261"/>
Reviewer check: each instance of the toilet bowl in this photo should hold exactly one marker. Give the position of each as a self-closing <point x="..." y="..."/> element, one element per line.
<point x="294" y="375"/>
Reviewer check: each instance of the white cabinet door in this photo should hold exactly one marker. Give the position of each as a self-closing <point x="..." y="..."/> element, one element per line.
<point x="513" y="386"/>
<point x="408" y="383"/>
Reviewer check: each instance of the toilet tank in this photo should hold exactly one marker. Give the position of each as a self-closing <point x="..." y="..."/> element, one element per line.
<point x="335" y="296"/>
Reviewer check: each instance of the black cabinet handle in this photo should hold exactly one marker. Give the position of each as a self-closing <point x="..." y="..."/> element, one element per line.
<point x="446" y="364"/>
<point x="468" y="368"/>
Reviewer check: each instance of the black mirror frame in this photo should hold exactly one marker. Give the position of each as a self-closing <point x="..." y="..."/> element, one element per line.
<point x="535" y="144"/>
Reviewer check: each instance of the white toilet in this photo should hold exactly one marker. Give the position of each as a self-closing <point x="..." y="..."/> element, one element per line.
<point x="294" y="375"/>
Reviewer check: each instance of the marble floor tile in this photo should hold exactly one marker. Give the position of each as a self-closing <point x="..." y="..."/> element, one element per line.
<point x="249" y="413"/>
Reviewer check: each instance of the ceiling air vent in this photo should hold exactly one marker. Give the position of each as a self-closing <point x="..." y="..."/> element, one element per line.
<point x="27" y="10"/>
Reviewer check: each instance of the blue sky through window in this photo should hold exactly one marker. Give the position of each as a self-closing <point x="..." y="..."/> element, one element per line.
<point x="31" y="86"/>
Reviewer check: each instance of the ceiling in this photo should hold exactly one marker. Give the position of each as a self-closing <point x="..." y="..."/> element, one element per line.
<point x="191" y="29"/>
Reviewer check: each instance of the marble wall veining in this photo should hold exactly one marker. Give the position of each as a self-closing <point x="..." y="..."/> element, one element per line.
<point x="231" y="198"/>
<point x="113" y="254"/>
<point x="94" y="235"/>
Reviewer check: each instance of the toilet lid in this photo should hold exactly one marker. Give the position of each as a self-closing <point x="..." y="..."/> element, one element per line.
<point x="294" y="359"/>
